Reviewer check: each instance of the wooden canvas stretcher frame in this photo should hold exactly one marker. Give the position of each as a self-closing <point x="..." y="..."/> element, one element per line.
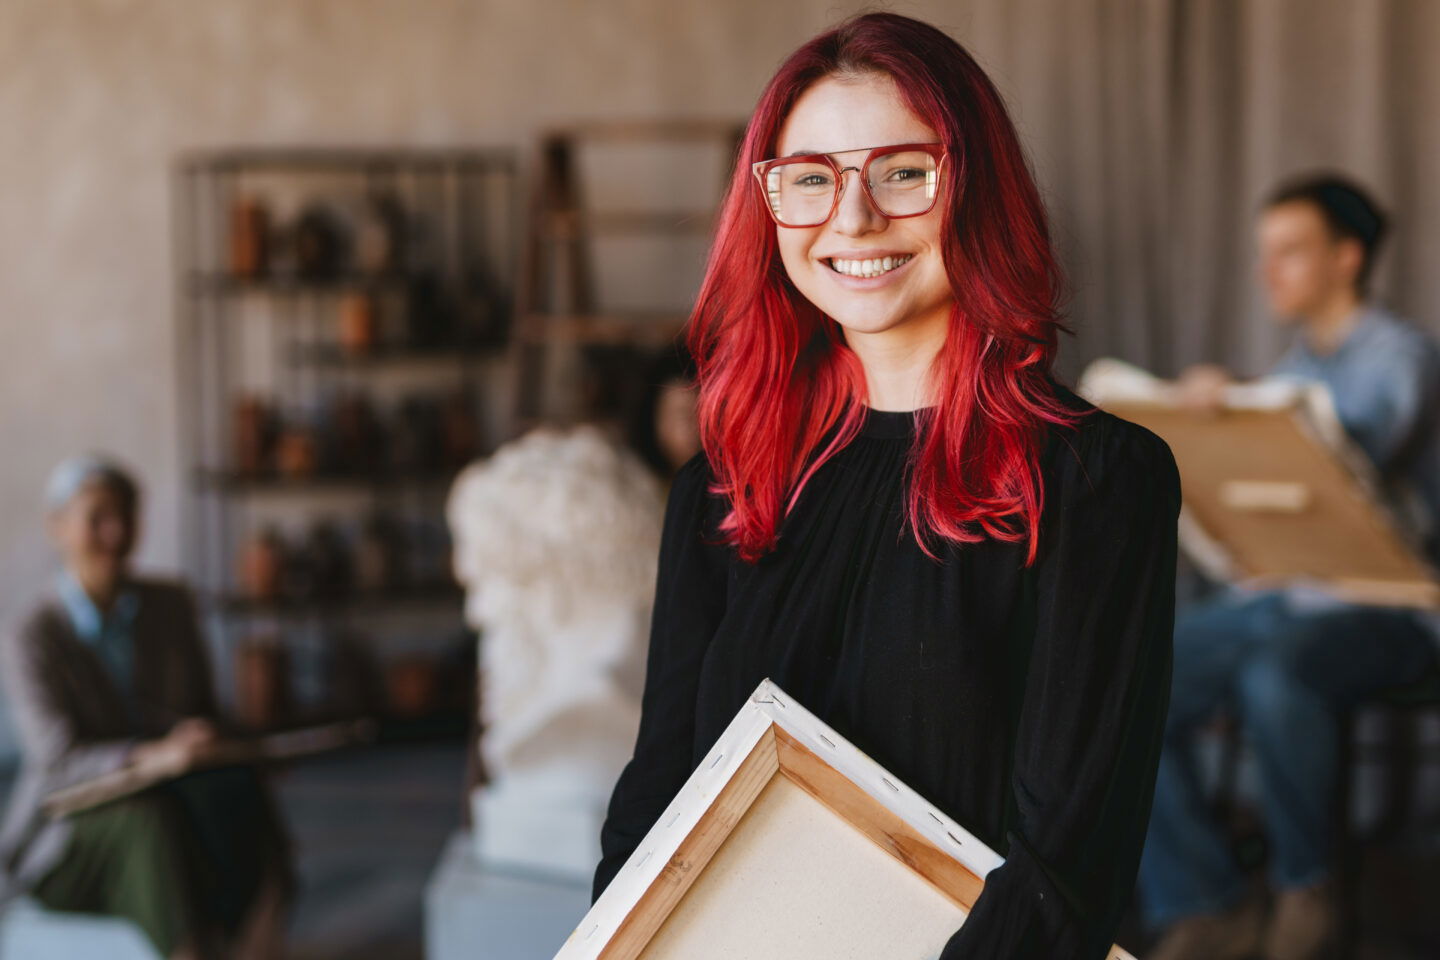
<point x="772" y="737"/>
<point x="1275" y="493"/>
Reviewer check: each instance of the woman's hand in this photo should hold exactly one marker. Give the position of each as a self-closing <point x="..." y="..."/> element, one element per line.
<point x="179" y="750"/>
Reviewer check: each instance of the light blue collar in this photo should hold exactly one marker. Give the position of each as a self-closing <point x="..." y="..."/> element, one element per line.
<point x="1368" y="316"/>
<point x="86" y="618"/>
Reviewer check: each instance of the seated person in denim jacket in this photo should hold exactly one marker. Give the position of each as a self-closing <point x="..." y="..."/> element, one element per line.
<point x="1286" y="663"/>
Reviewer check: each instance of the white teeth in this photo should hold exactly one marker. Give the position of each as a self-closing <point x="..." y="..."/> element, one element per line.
<point x="868" y="268"/>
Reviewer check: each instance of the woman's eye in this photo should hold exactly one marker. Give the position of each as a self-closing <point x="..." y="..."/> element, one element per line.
<point x="812" y="180"/>
<point x="905" y="175"/>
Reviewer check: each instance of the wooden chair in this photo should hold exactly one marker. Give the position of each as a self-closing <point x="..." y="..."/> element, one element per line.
<point x="1399" y="757"/>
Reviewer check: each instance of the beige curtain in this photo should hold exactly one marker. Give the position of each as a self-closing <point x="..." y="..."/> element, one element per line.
<point x="1157" y="126"/>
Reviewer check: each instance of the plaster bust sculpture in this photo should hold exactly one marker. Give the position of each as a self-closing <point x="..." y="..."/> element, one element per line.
<point x="556" y="537"/>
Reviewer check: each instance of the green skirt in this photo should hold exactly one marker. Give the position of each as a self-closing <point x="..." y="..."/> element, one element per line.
<point x="183" y="860"/>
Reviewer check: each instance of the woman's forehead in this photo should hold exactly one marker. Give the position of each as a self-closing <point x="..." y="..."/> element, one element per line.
<point x="849" y="113"/>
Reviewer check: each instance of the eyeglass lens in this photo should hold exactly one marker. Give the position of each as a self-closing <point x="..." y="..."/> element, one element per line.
<point x="802" y="193"/>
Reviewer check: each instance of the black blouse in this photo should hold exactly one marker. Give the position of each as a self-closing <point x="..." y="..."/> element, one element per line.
<point x="1027" y="703"/>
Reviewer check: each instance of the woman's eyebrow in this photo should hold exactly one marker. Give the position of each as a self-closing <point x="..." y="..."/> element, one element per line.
<point x="805" y="153"/>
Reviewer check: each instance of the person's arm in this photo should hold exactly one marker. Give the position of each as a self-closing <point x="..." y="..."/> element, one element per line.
<point x="1400" y="402"/>
<point x="689" y="602"/>
<point x="179" y="708"/>
<point x="46" y="730"/>
<point x="1095" y="698"/>
<point x="190" y="644"/>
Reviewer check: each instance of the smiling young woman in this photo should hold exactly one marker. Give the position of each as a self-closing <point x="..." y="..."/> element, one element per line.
<point x="899" y="515"/>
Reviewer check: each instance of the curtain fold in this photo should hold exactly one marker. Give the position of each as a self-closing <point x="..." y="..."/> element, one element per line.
<point x="1157" y="127"/>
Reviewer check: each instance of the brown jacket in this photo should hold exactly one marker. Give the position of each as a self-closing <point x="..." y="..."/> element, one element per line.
<point x="71" y="720"/>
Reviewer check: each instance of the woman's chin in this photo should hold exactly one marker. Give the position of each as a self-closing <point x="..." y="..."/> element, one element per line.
<point x="868" y="324"/>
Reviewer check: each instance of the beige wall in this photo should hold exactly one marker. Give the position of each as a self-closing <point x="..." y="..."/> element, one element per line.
<point x="96" y="96"/>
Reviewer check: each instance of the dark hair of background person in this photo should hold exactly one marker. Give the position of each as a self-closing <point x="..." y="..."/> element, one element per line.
<point x="671" y="364"/>
<point x="1349" y="211"/>
<point x="124" y="487"/>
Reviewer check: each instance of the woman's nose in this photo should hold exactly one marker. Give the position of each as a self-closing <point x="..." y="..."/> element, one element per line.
<point x="855" y="214"/>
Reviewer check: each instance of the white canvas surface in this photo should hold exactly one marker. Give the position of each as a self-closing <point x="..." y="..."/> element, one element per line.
<point x="796" y="881"/>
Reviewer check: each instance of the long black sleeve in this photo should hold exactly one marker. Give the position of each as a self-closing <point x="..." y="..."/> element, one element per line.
<point x="689" y="602"/>
<point x="1095" y="699"/>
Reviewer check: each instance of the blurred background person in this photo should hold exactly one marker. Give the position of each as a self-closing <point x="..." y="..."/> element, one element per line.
<point x="109" y="672"/>
<point x="664" y="430"/>
<point x="1288" y="662"/>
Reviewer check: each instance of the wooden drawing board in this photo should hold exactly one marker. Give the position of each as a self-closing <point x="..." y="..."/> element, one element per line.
<point x="787" y="841"/>
<point x="128" y="781"/>
<point x="1277" y="492"/>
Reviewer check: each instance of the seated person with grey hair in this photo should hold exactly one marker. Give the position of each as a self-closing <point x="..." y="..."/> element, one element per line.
<point x="109" y="671"/>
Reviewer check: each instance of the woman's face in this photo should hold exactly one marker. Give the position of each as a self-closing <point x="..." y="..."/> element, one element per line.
<point x="914" y="297"/>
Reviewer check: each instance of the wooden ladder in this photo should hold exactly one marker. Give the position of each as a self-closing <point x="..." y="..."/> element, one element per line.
<point x="557" y="302"/>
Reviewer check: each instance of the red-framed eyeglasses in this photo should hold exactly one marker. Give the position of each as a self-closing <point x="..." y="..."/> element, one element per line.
<point x="901" y="180"/>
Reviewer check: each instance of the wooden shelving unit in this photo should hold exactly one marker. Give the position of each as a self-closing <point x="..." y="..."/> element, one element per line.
<point x="354" y="303"/>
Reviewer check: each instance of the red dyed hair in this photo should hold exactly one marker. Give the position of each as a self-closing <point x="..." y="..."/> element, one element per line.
<point x="780" y="392"/>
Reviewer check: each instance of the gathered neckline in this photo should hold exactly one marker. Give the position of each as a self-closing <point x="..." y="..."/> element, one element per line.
<point x="890" y="424"/>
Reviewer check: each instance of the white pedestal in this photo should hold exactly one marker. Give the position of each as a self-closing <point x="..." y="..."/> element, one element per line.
<point x="522" y="828"/>
<point x="481" y="912"/>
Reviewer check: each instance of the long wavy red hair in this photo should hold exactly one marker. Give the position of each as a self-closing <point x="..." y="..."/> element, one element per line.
<point x="780" y="392"/>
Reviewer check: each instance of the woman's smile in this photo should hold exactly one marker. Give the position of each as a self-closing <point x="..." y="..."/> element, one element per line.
<point x="867" y="272"/>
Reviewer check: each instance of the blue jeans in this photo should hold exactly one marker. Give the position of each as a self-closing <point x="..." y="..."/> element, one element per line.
<point x="1286" y="673"/>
